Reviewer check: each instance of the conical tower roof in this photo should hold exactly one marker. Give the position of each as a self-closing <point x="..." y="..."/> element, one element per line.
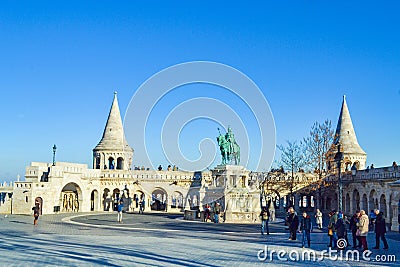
<point x="113" y="135"/>
<point x="345" y="134"/>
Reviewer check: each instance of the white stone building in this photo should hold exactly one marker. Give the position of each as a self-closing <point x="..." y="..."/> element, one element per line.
<point x="74" y="187"/>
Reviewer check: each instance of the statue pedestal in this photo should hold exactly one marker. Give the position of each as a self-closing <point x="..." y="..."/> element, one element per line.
<point x="239" y="203"/>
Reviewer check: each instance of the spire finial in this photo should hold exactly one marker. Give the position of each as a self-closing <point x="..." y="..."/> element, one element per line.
<point x="344" y="97"/>
<point x="115" y="93"/>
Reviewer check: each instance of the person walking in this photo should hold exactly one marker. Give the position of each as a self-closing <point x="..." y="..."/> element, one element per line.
<point x="380" y="230"/>
<point x="318" y="219"/>
<point x="120" y="207"/>
<point x="293" y="222"/>
<point x="265" y="215"/>
<point x="36" y="214"/>
<point x="362" y="228"/>
<point x="305" y="228"/>
<point x="353" y="229"/>
<point x="217" y="211"/>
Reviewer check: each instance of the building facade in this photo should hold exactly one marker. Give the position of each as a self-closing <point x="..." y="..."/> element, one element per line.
<point x="74" y="187"/>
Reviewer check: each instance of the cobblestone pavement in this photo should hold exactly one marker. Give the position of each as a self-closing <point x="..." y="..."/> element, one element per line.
<point x="159" y="240"/>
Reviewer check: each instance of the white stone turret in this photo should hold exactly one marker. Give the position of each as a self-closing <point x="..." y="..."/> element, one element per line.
<point x="346" y="136"/>
<point x="113" y="151"/>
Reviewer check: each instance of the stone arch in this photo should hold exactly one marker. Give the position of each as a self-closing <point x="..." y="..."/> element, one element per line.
<point x="120" y="163"/>
<point x="159" y="199"/>
<point x="107" y="199"/>
<point x="71" y="197"/>
<point x="347" y="163"/>
<point x="382" y="205"/>
<point x="335" y="201"/>
<point x="138" y="197"/>
<point x="356" y="199"/>
<point x="365" y="202"/>
<point x="115" y="197"/>
<point x="94" y="200"/>
<point x="328" y="204"/>
<point x="177" y="200"/>
<point x="111" y="163"/>
<point x="347" y="205"/>
<point x="372" y="203"/>
<point x="391" y="208"/>
<point x="357" y="164"/>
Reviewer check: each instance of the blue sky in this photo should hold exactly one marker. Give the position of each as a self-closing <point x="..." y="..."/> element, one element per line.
<point x="61" y="61"/>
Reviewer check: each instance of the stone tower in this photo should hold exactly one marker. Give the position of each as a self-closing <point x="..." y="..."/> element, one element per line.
<point x="113" y="151"/>
<point x="345" y="135"/>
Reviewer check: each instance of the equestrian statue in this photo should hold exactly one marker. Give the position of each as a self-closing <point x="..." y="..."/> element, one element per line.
<point x="230" y="150"/>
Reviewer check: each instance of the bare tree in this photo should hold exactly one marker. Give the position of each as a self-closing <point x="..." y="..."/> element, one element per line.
<point x="293" y="159"/>
<point x="317" y="145"/>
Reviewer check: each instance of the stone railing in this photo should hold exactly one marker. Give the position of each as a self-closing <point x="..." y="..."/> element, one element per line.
<point x="385" y="173"/>
<point x="6" y="187"/>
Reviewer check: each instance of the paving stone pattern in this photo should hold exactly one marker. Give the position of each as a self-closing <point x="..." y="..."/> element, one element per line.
<point x="154" y="240"/>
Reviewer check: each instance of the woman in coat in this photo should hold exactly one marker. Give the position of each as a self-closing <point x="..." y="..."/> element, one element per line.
<point x="293" y="221"/>
<point x="362" y="229"/>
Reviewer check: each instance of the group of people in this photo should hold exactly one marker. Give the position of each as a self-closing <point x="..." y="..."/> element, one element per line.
<point x="359" y="225"/>
<point x="303" y="225"/>
<point x="216" y="211"/>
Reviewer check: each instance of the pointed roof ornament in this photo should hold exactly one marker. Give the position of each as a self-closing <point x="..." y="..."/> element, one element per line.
<point x="113" y="135"/>
<point x="345" y="134"/>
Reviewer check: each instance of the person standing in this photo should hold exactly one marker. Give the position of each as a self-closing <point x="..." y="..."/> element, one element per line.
<point x="265" y="215"/>
<point x="293" y="222"/>
<point x="372" y="218"/>
<point x="207" y="213"/>
<point x="271" y="211"/>
<point x="120" y="207"/>
<point x="318" y="219"/>
<point x="380" y="230"/>
<point x="36" y="214"/>
<point x="331" y="228"/>
<point x="305" y="228"/>
<point x="142" y="204"/>
<point x="340" y="227"/>
<point x="362" y="228"/>
<point x="217" y="211"/>
<point x="353" y="229"/>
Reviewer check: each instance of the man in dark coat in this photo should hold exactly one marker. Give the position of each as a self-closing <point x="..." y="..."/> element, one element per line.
<point x="380" y="230"/>
<point x="305" y="228"/>
<point x="340" y="227"/>
<point x="353" y="229"/>
<point x="293" y="221"/>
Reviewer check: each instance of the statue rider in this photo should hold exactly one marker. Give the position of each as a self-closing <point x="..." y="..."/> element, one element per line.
<point x="230" y="138"/>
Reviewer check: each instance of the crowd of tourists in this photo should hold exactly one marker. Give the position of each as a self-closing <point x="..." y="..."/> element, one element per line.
<point x="360" y="225"/>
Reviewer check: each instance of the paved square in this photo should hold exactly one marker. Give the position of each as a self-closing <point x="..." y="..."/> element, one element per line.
<point x="155" y="240"/>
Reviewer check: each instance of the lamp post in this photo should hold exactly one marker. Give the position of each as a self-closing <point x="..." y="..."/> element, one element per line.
<point x="54" y="155"/>
<point x="338" y="159"/>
